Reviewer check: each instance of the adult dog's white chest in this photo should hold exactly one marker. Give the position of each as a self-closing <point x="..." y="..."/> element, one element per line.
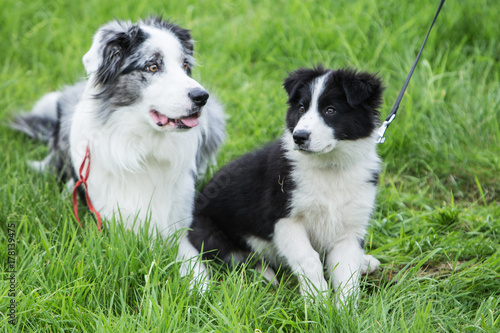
<point x="137" y="173"/>
<point x="143" y="195"/>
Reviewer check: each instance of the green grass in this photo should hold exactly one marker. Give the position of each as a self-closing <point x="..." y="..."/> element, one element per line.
<point x="436" y="228"/>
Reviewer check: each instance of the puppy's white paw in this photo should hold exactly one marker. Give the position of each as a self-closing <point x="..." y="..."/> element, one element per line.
<point x="267" y="272"/>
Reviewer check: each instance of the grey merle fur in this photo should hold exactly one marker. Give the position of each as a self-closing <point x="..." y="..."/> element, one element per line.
<point x="120" y="77"/>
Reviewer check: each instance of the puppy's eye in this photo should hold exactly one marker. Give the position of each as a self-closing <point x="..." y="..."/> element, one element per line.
<point x="330" y="110"/>
<point x="185" y="65"/>
<point x="302" y="109"/>
<point x="153" y="68"/>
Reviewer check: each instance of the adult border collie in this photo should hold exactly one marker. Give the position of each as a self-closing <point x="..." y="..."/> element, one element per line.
<point x="303" y="201"/>
<point x="150" y="128"/>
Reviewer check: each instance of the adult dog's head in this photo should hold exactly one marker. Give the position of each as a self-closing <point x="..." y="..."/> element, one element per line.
<point x="144" y="70"/>
<point x="329" y="106"/>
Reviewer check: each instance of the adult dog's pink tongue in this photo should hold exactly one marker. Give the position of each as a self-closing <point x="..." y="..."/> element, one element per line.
<point x="159" y="118"/>
<point x="190" y="121"/>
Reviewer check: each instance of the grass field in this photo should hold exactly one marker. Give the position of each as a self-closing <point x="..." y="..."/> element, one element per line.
<point x="436" y="228"/>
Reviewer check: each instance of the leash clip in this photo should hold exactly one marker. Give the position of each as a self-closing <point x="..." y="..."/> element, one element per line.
<point x="383" y="128"/>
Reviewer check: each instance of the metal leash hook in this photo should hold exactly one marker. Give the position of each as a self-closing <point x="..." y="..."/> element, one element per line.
<point x="392" y="114"/>
<point x="383" y="128"/>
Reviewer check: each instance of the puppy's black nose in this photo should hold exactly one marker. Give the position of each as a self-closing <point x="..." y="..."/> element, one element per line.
<point x="198" y="96"/>
<point x="301" y="136"/>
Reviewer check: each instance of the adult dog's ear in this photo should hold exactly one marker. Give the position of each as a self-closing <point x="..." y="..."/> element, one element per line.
<point x="362" y="88"/>
<point x="94" y="57"/>
<point x="111" y="45"/>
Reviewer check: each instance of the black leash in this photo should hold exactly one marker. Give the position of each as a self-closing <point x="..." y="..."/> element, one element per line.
<point x="392" y="115"/>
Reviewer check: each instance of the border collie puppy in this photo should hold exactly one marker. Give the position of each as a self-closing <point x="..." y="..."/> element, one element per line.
<point x="304" y="201"/>
<point x="149" y="127"/>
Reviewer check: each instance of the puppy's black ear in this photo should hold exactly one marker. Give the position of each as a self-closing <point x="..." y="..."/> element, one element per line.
<point x="301" y="76"/>
<point x="293" y="80"/>
<point x="362" y="88"/>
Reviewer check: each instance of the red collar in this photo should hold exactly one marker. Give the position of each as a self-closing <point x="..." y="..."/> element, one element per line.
<point x="83" y="181"/>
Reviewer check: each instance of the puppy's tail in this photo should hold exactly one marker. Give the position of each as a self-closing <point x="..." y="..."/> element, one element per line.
<point x="41" y="122"/>
<point x="209" y="240"/>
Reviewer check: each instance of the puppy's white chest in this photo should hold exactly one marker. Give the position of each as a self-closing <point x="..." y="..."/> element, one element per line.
<point x="331" y="203"/>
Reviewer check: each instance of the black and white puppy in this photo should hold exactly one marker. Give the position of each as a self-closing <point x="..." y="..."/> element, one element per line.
<point x="304" y="201"/>
<point x="150" y="128"/>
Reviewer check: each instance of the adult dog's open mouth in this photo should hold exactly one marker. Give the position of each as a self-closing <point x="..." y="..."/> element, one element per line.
<point x="183" y="122"/>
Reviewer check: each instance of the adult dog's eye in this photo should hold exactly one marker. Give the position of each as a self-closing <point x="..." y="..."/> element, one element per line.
<point x="185" y="65"/>
<point x="153" y="68"/>
<point x="302" y="109"/>
<point x="330" y="110"/>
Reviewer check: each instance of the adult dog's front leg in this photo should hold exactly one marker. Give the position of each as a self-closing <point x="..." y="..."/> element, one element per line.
<point x="192" y="265"/>
<point x="292" y="242"/>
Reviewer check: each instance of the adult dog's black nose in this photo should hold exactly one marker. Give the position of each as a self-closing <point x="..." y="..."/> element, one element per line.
<point x="301" y="136"/>
<point x="198" y="96"/>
